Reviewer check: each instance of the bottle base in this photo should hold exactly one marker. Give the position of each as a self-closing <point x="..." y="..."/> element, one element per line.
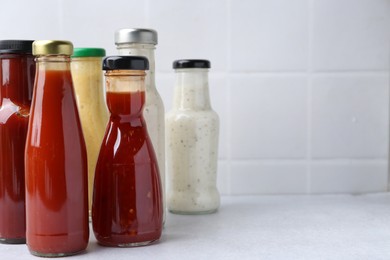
<point x="135" y="244"/>
<point x="13" y="241"/>
<point x="182" y="212"/>
<point x="40" y="254"/>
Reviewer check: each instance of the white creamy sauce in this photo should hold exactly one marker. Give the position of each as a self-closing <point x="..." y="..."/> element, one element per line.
<point x="192" y="152"/>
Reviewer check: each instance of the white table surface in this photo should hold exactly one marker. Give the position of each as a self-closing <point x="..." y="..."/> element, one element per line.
<point x="264" y="227"/>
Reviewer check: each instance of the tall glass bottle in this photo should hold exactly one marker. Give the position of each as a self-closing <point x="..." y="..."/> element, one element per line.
<point x="56" y="158"/>
<point x="17" y="70"/>
<point x="192" y="139"/>
<point x="127" y="205"/>
<point x="87" y="77"/>
<point x="142" y="42"/>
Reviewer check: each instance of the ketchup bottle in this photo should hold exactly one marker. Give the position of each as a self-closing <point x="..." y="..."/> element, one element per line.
<point x="17" y="70"/>
<point x="127" y="203"/>
<point x="56" y="158"/>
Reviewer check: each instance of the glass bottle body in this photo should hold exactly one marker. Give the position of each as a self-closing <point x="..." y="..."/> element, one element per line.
<point x="88" y="84"/>
<point x="192" y="141"/>
<point x="56" y="165"/>
<point x="127" y="205"/>
<point x="153" y="112"/>
<point x="16" y="79"/>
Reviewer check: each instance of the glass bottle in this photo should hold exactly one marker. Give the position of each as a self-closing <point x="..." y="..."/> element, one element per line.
<point x="192" y="142"/>
<point x="127" y="205"/>
<point x="17" y="70"/>
<point x="142" y="42"/>
<point x="56" y="158"/>
<point x="87" y="77"/>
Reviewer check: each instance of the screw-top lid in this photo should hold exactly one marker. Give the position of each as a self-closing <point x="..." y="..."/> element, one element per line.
<point x="191" y="64"/>
<point x="125" y="63"/>
<point x="146" y="36"/>
<point x="51" y="47"/>
<point x="16" y="46"/>
<point x="89" y="52"/>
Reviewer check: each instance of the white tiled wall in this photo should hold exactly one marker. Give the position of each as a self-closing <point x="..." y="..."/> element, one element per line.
<point x="301" y="86"/>
<point x="349" y="115"/>
<point x="268" y="117"/>
<point x="350" y="35"/>
<point x="268" y="35"/>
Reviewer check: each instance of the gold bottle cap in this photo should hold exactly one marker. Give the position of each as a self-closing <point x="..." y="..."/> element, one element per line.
<point x="49" y="47"/>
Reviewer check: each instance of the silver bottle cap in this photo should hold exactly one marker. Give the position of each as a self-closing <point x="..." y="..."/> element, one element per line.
<point x="146" y="36"/>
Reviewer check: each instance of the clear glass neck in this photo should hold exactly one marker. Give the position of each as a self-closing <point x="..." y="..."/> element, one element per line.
<point x="191" y="89"/>
<point x="53" y="62"/>
<point x="125" y="94"/>
<point x="146" y="50"/>
<point x="125" y="80"/>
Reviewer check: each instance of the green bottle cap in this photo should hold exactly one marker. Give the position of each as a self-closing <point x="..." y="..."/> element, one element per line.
<point x="88" y="52"/>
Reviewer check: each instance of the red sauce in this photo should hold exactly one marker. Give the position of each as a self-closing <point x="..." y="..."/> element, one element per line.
<point x="16" y="84"/>
<point x="127" y="205"/>
<point x="56" y="169"/>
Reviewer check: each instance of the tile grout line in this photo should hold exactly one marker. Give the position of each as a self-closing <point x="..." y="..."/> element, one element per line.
<point x="309" y="97"/>
<point x="298" y="73"/>
<point x="350" y="72"/>
<point x="303" y="160"/>
<point x="228" y="98"/>
<point x="388" y="135"/>
<point x="388" y="129"/>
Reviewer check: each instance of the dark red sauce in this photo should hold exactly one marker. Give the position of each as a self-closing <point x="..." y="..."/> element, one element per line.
<point x="127" y="206"/>
<point x="16" y="83"/>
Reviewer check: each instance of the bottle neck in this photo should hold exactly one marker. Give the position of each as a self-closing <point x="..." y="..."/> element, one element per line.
<point x="88" y="81"/>
<point x="52" y="62"/>
<point x="146" y="50"/>
<point x="191" y="89"/>
<point x="17" y="72"/>
<point x="125" y="93"/>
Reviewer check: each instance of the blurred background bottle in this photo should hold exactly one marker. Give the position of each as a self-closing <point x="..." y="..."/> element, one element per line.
<point x="142" y="42"/>
<point x="17" y="70"/>
<point x="87" y="77"/>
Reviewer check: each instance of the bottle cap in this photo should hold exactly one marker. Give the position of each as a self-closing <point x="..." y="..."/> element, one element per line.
<point x="125" y="63"/>
<point x="16" y="46"/>
<point x="191" y="64"/>
<point x="50" y="47"/>
<point x="146" y="36"/>
<point x="89" y="52"/>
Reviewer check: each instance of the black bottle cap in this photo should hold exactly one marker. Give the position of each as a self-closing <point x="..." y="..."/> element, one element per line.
<point x="125" y="63"/>
<point x="191" y="64"/>
<point x="16" y="46"/>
